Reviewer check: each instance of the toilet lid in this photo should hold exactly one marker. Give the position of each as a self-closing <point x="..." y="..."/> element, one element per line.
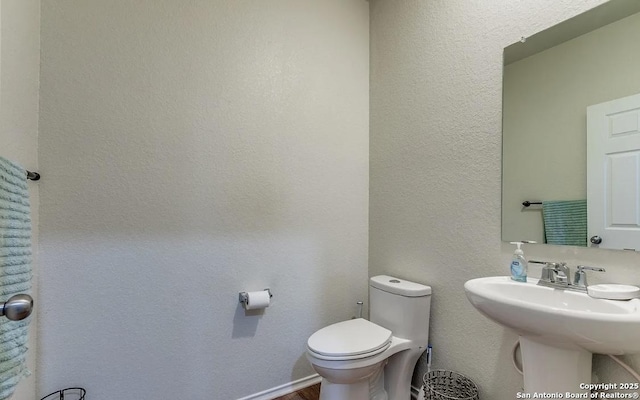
<point x="349" y="338"/>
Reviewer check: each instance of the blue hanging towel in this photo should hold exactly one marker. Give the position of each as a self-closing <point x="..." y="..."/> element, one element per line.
<point x="565" y="222"/>
<point x="15" y="271"/>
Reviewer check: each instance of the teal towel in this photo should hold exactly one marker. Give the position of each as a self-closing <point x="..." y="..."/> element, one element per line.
<point x="15" y="271"/>
<point x="565" y="222"/>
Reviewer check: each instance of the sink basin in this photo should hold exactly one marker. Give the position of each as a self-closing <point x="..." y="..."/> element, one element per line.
<point x="557" y="316"/>
<point x="559" y="329"/>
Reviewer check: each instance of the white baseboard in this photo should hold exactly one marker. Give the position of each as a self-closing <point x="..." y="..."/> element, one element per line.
<point x="287" y="388"/>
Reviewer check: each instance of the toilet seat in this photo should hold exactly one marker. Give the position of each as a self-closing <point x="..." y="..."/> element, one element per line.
<point x="349" y="340"/>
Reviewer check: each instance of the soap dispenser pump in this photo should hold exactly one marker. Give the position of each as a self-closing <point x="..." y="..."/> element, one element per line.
<point x="518" y="264"/>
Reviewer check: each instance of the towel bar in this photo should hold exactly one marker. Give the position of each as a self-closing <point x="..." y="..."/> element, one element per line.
<point x="33" y="176"/>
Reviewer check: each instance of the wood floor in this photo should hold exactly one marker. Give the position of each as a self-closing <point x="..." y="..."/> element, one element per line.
<point x="309" y="393"/>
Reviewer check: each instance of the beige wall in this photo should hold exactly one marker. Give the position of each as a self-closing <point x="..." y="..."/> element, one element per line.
<point x="19" y="68"/>
<point x="436" y="101"/>
<point x="194" y="150"/>
<point x="132" y="110"/>
<point x="544" y="124"/>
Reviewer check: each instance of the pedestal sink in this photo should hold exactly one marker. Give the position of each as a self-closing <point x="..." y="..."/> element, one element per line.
<point x="559" y="329"/>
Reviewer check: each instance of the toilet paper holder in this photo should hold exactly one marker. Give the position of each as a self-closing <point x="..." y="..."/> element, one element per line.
<point x="244" y="297"/>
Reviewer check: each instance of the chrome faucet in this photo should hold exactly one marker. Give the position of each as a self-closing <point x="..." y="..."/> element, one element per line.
<point x="557" y="275"/>
<point x="580" y="279"/>
<point x="560" y="273"/>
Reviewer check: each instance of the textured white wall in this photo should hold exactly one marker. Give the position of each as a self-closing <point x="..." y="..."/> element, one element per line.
<point x="545" y="146"/>
<point x="193" y="150"/>
<point x="19" y="69"/>
<point x="436" y="90"/>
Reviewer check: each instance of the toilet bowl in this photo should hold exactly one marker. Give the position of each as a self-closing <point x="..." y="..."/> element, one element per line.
<point x="374" y="360"/>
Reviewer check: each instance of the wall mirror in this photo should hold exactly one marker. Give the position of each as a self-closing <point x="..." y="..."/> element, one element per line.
<point x="550" y="81"/>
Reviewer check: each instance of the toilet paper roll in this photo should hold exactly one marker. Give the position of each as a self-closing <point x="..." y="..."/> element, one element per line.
<point x="257" y="300"/>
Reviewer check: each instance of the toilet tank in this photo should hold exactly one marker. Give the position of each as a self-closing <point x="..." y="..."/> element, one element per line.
<point x="401" y="306"/>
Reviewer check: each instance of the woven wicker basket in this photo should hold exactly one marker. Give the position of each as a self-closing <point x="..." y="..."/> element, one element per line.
<point x="448" y="385"/>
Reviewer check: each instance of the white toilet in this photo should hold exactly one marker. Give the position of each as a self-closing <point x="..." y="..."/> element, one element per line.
<point x="374" y="360"/>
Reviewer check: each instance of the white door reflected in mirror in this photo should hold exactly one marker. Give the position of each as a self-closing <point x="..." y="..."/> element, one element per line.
<point x="613" y="173"/>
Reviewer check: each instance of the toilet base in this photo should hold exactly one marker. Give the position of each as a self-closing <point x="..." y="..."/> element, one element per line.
<point x="355" y="384"/>
<point x="387" y="379"/>
<point x="344" y="391"/>
<point x="364" y="390"/>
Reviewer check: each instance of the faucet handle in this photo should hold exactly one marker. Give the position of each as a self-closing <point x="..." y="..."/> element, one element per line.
<point x="562" y="273"/>
<point x="583" y="267"/>
<point x="580" y="278"/>
<point x="539" y="262"/>
<point x="553" y="272"/>
<point x="562" y="267"/>
<point x="547" y="274"/>
<point x="550" y="264"/>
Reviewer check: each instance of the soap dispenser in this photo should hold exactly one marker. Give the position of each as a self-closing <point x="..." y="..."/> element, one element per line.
<point x="518" y="264"/>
